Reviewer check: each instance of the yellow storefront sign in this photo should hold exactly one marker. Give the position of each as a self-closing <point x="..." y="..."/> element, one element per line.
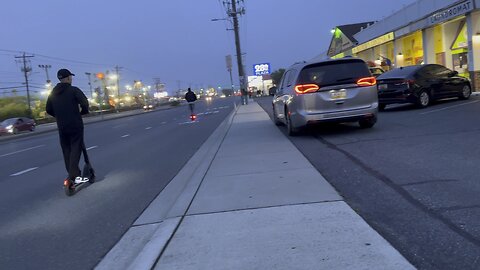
<point x="374" y="42"/>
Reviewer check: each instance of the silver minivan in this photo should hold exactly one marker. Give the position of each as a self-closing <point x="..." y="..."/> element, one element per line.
<point x="339" y="90"/>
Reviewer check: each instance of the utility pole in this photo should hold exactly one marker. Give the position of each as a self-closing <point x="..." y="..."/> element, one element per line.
<point x="228" y="59"/>
<point x="49" y="83"/>
<point x="241" y="73"/>
<point x="90" y="83"/>
<point x="25" y="71"/>
<point x="178" y="91"/>
<point x="46" y="67"/>
<point x="117" y="69"/>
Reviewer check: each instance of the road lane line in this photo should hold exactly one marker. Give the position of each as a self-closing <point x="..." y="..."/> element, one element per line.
<point x="24" y="171"/>
<point x="23" y="150"/>
<point x="126" y="135"/>
<point x="449" y="107"/>
<point x="92" y="147"/>
<point x="147" y="128"/>
<point x="163" y="123"/>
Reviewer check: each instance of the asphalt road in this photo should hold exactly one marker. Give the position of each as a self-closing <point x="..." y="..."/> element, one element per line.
<point x="134" y="157"/>
<point x="414" y="177"/>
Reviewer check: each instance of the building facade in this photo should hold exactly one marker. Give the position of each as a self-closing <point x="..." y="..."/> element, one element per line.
<point x="445" y="32"/>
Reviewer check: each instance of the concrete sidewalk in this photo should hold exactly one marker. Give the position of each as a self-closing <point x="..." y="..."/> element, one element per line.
<point x="251" y="200"/>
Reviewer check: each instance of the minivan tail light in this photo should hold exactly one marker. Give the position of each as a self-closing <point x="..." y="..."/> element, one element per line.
<point x="306" y="88"/>
<point x="368" y="81"/>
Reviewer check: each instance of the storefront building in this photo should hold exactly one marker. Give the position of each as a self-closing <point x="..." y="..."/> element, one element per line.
<point x="445" y="32"/>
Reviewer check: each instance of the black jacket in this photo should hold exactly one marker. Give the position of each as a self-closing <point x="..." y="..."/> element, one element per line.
<point x="63" y="104"/>
<point x="190" y="96"/>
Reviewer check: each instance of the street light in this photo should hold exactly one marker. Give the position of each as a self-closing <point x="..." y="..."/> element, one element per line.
<point x="46" y="67"/>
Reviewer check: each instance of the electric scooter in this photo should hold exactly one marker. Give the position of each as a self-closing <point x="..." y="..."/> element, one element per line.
<point x="88" y="172"/>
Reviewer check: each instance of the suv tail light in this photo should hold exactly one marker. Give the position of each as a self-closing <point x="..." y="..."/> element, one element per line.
<point x="409" y="83"/>
<point x="368" y="81"/>
<point x="306" y="88"/>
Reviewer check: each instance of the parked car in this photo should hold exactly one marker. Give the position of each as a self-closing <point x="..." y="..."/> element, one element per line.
<point x="148" y="107"/>
<point x="420" y="85"/>
<point x="336" y="90"/>
<point x="376" y="71"/>
<point x="16" y="125"/>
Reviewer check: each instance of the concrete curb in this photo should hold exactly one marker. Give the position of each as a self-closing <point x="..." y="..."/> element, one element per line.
<point x="167" y="210"/>
<point x="54" y="127"/>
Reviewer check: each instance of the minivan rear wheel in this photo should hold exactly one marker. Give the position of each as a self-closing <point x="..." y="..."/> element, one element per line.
<point x="292" y="131"/>
<point x="275" y="118"/>
<point x="368" y="122"/>
<point x="423" y="99"/>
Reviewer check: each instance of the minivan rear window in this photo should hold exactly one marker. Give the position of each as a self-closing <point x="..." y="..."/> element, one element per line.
<point x="334" y="73"/>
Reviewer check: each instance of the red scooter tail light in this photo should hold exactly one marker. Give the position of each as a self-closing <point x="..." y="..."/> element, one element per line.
<point x="193" y="117"/>
<point x="368" y="81"/>
<point x="306" y="88"/>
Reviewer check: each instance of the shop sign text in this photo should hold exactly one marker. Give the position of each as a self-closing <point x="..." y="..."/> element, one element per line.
<point x="451" y="13"/>
<point x="374" y="42"/>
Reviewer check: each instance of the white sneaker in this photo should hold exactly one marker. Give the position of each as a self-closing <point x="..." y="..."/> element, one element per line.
<point x="80" y="180"/>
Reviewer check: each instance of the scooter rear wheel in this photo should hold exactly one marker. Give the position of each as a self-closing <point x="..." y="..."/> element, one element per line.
<point x="68" y="187"/>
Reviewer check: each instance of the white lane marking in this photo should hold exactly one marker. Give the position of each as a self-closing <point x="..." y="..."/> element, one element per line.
<point x="24" y="171"/>
<point x="216" y="111"/>
<point x="189" y="122"/>
<point x="23" y="150"/>
<point x="163" y="123"/>
<point x="126" y="135"/>
<point x="449" y="107"/>
<point x="147" y="128"/>
<point x="92" y="147"/>
<point x="201" y="113"/>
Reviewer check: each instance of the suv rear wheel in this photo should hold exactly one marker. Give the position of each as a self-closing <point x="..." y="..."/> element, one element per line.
<point x="423" y="99"/>
<point x="466" y="92"/>
<point x="368" y="122"/>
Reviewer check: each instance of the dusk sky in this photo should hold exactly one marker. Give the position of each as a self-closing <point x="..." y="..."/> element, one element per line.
<point x="171" y="40"/>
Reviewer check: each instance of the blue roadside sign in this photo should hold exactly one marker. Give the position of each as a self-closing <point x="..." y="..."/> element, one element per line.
<point x="261" y="69"/>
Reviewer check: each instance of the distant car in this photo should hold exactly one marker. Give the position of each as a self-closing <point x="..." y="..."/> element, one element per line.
<point x="17" y="125"/>
<point x="376" y="71"/>
<point x="420" y="85"/>
<point x="338" y="90"/>
<point x="148" y="107"/>
<point x="208" y="98"/>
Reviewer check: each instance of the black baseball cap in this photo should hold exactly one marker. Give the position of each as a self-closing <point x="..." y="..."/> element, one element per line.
<point x="64" y="73"/>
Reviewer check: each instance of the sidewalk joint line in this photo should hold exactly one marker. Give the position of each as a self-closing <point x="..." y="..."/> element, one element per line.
<point x="146" y="224"/>
<point x="265" y="172"/>
<point x="263" y="207"/>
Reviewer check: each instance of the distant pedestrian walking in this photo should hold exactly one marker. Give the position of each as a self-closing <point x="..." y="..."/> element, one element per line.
<point x="190" y="97"/>
<point x="63" y="104"/>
